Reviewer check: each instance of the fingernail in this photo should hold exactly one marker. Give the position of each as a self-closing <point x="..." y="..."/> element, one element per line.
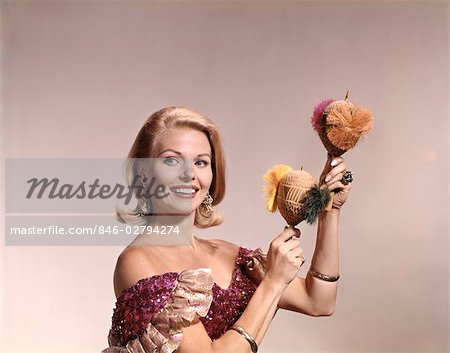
<point x="333" y="162"/>
<point x="327" y="179"/>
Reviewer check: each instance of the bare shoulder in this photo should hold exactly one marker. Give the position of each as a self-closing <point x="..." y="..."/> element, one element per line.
<point x="132" y="265"/>
<point x="225" y="246"/>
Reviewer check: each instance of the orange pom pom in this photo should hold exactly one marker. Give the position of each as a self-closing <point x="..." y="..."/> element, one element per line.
<point x="346" y="123"/>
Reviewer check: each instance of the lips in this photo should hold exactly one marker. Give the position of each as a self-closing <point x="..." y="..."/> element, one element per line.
<point x="185" y="191"/>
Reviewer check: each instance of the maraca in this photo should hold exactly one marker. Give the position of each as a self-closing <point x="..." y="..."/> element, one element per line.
<point x="295" y="193"/>
<point x="340" y="124"/>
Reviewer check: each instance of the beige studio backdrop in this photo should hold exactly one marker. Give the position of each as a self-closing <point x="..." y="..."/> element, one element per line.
<point x="80" y="77"/>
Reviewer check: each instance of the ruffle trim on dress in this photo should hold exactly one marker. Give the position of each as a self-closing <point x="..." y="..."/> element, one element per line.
<point x="190" y="299"/>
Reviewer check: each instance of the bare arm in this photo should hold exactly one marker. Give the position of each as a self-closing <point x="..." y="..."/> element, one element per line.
<point x="255" y="320"/>
<point x="313" y="296"/>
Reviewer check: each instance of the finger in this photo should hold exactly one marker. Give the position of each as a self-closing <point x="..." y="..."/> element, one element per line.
<point x="334" y="179"/>
<point x="297" y="252"/>
<point x="296" y="230"/>
<point x="335" y="161"/>
<point x="298" y="262"/>
<point x="288" y="233"/>
<point x="333" y="167"/>
<point x="303" y="261"/>
<point x="333" y="173"/>
<point x="300" y="259"/>
<point x="291" y="244"/>
<point x="339" y="186"/>
<point x="335" y="186"/>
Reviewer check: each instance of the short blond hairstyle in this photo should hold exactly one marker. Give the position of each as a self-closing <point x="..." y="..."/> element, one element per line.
<point x="181" y="117"/>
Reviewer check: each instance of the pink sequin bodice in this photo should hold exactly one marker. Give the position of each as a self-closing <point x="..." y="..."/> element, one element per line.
<point x="229" y="304"/>
<point x="138" y="305"/>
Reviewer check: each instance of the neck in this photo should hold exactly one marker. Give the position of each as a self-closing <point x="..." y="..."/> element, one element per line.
<point x="167" y="230"/>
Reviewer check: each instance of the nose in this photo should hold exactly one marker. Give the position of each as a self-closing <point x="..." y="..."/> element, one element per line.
<point x="187" y="172"/>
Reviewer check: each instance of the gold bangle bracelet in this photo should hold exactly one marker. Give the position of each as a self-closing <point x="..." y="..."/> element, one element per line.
<point x="323" y="277"/>
<point x="249" y="338"/>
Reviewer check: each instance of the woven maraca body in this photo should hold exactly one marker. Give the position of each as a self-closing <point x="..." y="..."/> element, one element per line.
<point x="291" y="195"/>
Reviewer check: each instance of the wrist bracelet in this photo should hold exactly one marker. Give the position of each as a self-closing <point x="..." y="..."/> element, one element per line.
<point x="249" y="338"/>
<point x="323" y="277"/>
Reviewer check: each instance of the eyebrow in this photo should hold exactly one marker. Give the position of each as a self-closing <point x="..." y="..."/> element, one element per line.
<point x="181" y="154"/>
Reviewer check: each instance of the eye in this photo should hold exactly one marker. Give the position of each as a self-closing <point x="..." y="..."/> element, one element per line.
<point x="201" y="163"/>
<point x="171" y="161"/>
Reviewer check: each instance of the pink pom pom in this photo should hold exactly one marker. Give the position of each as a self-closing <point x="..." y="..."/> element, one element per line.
<point x="316" y="119"/>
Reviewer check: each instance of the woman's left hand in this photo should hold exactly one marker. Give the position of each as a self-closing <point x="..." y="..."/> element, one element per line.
<point x="331" y="177"/>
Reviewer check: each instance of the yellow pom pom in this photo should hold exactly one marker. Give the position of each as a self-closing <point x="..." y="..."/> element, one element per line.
<point x="272" y="178"/>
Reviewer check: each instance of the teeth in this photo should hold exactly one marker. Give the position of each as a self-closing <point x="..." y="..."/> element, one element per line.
<point x="185" y="190"/>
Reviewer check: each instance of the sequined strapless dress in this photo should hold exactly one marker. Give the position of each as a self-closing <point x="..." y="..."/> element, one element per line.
<point x="149" y="316"/>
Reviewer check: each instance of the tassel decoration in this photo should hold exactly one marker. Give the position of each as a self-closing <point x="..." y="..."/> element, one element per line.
<point x="273" y="178"/>
<point x="319" y="109"/>
<point x="316" y="201"/>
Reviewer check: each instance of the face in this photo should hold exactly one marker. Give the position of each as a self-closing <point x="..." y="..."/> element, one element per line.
<point x="183" y="166"/>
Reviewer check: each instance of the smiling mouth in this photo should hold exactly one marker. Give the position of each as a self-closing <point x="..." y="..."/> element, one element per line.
<point x="184" y="191"/>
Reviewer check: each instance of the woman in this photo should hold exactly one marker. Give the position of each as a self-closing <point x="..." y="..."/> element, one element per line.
<point x="212" y="295"/>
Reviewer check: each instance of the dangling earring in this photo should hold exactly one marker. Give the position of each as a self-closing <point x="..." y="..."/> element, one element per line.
<point x="144" y="204"/>
<point x="207" y="203"/>
<point x="145" y="207"/>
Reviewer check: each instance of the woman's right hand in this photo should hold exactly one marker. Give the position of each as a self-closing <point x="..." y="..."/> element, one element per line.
<point x="284" y="257"/>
